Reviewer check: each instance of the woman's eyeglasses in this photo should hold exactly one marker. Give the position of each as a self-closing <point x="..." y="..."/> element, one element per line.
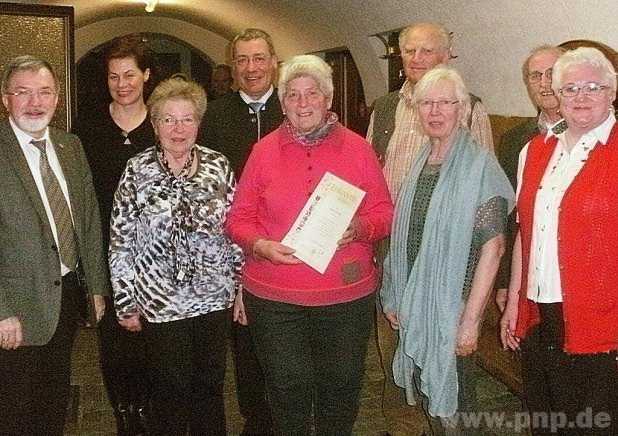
<point x="172" y="121"/>
<point x="590" y="89"/>
<point x="441" y="105"/>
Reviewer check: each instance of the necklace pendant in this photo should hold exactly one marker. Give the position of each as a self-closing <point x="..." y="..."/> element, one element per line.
<point x="125" y="135"/>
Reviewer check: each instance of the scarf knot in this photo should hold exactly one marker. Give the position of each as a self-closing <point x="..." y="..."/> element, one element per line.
<point x="182" y="217"/>
<point x="315" y="136"/>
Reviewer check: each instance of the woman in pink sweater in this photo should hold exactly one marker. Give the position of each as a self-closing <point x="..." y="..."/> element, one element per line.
<point x="310" y="329"/>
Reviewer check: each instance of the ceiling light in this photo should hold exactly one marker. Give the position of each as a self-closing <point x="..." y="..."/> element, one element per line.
<point x="151" y="5"/>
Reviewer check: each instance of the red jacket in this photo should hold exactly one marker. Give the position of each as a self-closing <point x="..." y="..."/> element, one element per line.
<point x="587" y="246"/>
<point x="279" y="177"/>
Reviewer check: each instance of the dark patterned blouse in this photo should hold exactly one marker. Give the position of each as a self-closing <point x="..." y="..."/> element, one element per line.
<point x="490" y="221"/>
<point x="169" y="257"/>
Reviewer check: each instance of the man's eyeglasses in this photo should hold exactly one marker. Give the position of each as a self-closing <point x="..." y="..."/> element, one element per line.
<point x="590" y="89"/>
<point x="26" y="94"/>
<point x="259" y="60"/>
<point x="172" y="121"/>
<point x="537" y="76"/>
<point x="442" y="105"/>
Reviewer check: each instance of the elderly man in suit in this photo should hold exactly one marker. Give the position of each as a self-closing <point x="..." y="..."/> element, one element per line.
<point x="51" y="254"/>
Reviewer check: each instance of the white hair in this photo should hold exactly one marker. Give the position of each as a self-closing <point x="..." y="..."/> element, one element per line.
<point x="437" y="30"/>
<point x="443" y="73"/>
<point x="583" y="56"/>
<point x="306" y="66"/>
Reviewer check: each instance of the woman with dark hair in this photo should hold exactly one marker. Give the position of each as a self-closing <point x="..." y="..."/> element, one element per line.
<point x="121" y="130"/>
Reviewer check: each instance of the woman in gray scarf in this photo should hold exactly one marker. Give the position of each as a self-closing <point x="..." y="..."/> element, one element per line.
<point x="445" y="249"/>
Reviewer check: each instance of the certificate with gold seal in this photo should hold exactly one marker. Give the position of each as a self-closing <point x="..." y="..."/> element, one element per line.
<point x="323" y="220"/>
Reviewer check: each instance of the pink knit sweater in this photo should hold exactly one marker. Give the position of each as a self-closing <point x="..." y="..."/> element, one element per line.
<point x="279" y="177"/>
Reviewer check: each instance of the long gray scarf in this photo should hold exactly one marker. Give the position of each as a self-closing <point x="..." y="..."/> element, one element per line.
<point x="428" y="302"/>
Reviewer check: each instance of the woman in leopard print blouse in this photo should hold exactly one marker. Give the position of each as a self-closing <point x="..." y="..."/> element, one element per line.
<point x="173" y="270"/>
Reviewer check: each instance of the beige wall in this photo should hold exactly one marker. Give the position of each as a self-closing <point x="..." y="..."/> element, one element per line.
<point x="492" y="37"/>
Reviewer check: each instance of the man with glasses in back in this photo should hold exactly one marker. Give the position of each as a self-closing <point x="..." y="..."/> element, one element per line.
<point x="395" y="132"/>
<point x="232" y="124"/>
<point x="51" y="254"/>
<point x="536" y="72"/>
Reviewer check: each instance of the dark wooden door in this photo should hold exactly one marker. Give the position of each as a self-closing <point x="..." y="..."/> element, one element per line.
<point x="348" y="96"/>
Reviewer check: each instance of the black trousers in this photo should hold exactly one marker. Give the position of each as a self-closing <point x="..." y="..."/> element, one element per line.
<point x="313" y="360"/>
<point x="123" y="361"/>
<point x="187" y="359"/>
<point x="250" y="384"/>
<point x="35" y="380"/>
<point x="567" y="394"/>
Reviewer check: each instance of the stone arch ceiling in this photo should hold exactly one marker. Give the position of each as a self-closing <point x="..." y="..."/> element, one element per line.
<point x="491" y="38"/>
<point x="297" y="26"/>
<point x="282" y="18"/>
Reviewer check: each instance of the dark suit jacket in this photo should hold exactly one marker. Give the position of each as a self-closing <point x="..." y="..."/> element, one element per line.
<point x="229" y="128"/>
<point x="30" y="278"/>
<point x="511" y="144"/>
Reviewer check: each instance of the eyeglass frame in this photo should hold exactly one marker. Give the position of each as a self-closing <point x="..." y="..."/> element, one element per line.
<point x="592" y="93"/>
<point x="170" y="121"/>
<point x="257" y="59"/>
<point x="312" y="95"/>
<point x="43" y="94"/>
<point x="539" y="75"/>
<point x="441" y="105"/>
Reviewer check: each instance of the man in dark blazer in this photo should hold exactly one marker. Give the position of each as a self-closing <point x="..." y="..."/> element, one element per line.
<point x="232" y="124"/>
<point x="51" y="254"/>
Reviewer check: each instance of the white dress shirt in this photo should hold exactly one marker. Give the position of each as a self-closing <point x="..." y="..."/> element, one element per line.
<point x="544" y="285"/>
<point x="263" y="99"/>
<point x="33" y="156"/>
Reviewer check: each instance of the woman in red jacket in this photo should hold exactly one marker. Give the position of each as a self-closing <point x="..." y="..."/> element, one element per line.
<point x="562" y="309"/>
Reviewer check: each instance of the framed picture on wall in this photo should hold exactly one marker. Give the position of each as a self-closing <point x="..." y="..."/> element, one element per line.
<point x="47" y="32"/>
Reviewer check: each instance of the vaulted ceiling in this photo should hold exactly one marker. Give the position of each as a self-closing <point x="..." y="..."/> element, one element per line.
<point x="222" y="17"/>
<point x="491" y="37"/>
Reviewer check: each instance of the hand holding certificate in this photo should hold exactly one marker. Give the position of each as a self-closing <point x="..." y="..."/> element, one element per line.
<point x="323" y="220"/>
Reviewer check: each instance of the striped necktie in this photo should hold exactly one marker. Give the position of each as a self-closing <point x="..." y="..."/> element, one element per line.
<point x="256" y="107"/>
<point x="67" y="245"/>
